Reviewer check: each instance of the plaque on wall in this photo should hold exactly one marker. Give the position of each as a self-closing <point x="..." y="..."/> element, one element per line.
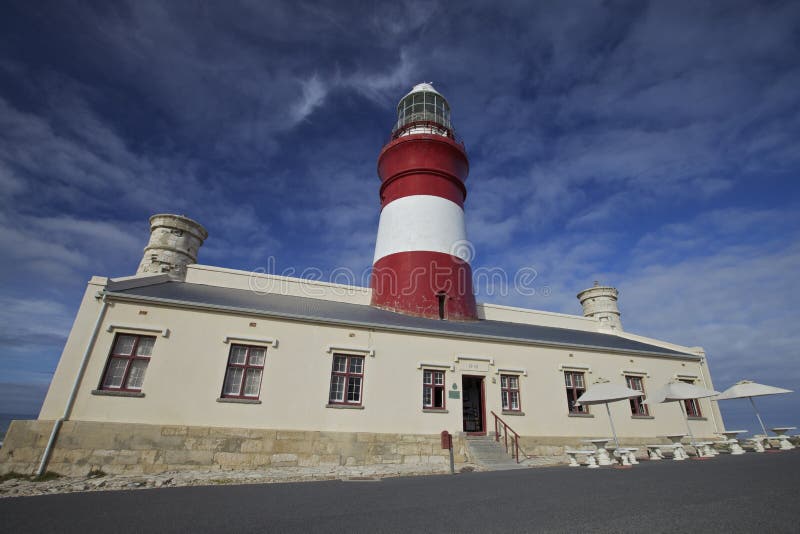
<point x="473" y="366"/>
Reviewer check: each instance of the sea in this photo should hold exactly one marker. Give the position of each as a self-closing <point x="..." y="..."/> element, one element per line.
<point x="6" y="418"/>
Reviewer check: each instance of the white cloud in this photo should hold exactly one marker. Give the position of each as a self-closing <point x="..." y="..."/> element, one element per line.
<point x="313" y="94"/>
<point x="383" y="86"/>
<point x="32" y="323"/>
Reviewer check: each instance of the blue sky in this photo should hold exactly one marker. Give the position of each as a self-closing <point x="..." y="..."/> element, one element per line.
<point x="649" y="145"/>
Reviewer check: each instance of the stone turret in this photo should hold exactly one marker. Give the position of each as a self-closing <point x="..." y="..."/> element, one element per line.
<point x="174" y="242"/>
<point x="600" y="302"/>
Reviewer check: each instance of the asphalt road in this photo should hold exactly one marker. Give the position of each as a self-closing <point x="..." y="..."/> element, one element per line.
<point x="750" y="493"/>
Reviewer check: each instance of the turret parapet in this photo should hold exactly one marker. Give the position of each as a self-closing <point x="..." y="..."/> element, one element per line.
<point x="600" y="302"/>
<point x="174" y="243"/>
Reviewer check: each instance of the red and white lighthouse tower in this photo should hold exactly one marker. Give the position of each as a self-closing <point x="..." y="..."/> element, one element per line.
<point x="421" y="264"/>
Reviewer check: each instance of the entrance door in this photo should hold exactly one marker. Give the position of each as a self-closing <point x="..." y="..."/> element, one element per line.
<point x="472" y="405"/>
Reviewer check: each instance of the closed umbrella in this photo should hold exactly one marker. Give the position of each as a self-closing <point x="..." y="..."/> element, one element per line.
<point x="603" y="392"/>
<point x="749" y="389"/>
<point x="680" y="391"/>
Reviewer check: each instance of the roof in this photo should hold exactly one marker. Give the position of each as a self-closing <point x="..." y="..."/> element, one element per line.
<point x="425" y="87"/>
<point x="358" y="315"/>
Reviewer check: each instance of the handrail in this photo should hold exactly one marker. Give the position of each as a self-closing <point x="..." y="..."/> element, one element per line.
<point x="506" y="430"/>
<point x="449" y="132"/>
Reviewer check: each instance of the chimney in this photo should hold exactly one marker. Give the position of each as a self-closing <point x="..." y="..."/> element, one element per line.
<point x="600" y="302"/>
<point x="174" y="242"/>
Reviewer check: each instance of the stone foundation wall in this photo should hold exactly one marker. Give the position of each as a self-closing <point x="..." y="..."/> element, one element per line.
<point x="555" y="445"/>
<point x="121" y="448"/>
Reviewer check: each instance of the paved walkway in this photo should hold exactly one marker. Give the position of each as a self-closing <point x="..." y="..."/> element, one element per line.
<point x="750" y="493"/>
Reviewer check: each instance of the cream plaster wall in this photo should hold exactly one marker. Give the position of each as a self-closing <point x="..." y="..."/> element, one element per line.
<point x="69" y="363"/>
<point x="185" y="374"/>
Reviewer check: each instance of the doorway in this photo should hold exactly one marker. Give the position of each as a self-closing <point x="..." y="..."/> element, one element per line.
<point x="474" y="411"/>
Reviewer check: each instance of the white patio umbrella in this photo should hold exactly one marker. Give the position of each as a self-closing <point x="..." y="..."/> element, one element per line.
<point x="603" y="392"/>
<point x="750" y="389"/>
<point x="680" y="391"/>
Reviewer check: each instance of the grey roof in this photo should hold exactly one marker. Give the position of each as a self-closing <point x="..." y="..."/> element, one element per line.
<point x="326" y="311"/>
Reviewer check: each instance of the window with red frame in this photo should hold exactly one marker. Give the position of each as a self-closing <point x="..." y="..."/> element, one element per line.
<point x="575" y="388"/>
<point x="637" y="406"/>
<point x="509" y="392"/>
<point x="127" y="363"/>
<point x="244" y="372"/>
<point x="347" y="379"/>
<point x="433" y="390"/>
<point x="692" y="405"/>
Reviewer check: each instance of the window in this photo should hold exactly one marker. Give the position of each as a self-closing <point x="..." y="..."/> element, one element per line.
<point x="692" y="405"/>
<point x="127" y="362"/>
<point x="347" y="379"/>
<point x="433" y="390"/>
<point x="637" y="408"/>
<point x="575" y="388"/>
<point x="243" y="375"/>
<point x="509" y="392"/>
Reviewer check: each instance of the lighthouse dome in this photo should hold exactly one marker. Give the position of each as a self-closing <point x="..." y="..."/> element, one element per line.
<point x="423" y="110"/>
<point x="424" y="87"/>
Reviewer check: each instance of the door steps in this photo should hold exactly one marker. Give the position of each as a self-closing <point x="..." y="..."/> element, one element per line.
<point x="492" y="455"/>
<point x="486" y="452"/>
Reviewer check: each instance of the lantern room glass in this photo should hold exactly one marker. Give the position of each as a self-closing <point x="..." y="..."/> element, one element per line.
<point x="423" y="107"/>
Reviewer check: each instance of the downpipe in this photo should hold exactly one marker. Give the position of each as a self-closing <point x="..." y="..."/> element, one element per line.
<point x="706" y="384"/>
<point x="71" y="401"/>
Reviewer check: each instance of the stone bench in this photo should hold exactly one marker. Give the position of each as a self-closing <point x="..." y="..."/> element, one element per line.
<point x="705" y="449"/>
<point x="591" y="460"/>
<point x="784" y="442"/>
<point x="656" y="452"/>
<point x="732" y="444"/>
<point x="626" y="455"/>
<point x="757" y="442"/>
<point x="773" y="442"/>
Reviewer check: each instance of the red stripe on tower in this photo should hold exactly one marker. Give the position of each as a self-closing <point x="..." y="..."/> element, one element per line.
<point x="421" y="264"/>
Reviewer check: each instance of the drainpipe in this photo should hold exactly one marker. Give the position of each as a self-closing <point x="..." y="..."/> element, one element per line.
<point x="703" y="362"/>
<point x="71" y="401"/>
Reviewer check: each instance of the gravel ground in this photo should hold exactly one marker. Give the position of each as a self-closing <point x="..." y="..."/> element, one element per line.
<point x="25" y="487"/>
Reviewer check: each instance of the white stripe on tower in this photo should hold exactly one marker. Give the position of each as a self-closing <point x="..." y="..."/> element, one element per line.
<point x="419" y="223"/>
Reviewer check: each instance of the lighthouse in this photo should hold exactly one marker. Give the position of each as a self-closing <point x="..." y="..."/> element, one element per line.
<point x="421" y="264"/>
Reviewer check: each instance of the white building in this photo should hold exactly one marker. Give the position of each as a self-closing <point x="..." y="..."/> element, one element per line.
<point x="187" y="365"/>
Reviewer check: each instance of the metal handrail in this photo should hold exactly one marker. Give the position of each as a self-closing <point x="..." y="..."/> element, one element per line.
<point x="429" y="124"/>
<point x="506" y="430"/>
